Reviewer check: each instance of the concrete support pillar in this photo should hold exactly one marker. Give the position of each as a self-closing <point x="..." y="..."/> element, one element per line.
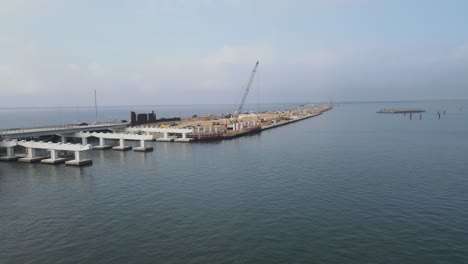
<point x="63" y="139"/>
<point x="166" y="135"/>
<point x="54" y="159"/>
<point x="31" y="156"/>
<point x="204" y="130"/>
<point x="216" y="130"/>
<point x="31" y="153"/>
<point x="121" y="142"/>
<point x="102" y="144"/>
<point x="77" y="156"/>
<point x="198" y="130"/>
<point x="184" y="135"/>
<point x="53" y="154"/>
<point x="10" y="152"/>
<point x="209" y="130"/>
<point x="143" y="147"/>
<point x="84" y="141"/>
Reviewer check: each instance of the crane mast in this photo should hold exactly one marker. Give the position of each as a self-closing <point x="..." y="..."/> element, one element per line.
<point x="252" y="76"/>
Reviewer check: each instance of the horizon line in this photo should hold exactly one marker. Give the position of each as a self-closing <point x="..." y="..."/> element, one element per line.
<point x="201" y="104"/>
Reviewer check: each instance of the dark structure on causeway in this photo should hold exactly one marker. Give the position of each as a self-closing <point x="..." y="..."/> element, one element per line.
<point x="141" y="119"/>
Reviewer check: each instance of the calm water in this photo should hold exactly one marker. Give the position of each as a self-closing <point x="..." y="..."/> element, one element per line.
<point x="349" y="186"/>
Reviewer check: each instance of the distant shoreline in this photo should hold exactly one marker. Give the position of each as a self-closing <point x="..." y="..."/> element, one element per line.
<point x="205" y="104"/>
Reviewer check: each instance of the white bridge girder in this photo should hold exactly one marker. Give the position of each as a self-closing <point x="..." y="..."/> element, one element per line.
<point x="54" y="146"/>
<point x="165" y="131"/>
<point x="159" y="130"/>
<point x="125" y="136"/>
<point x="31" y="147"/>
<point x="51" y="130"/>
<point x="120" y="136"/>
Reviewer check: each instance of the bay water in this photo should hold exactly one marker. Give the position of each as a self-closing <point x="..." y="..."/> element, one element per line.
<point x="348" y="186"/>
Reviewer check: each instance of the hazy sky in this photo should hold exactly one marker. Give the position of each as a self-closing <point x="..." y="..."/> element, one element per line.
<point x="56" y="52"/>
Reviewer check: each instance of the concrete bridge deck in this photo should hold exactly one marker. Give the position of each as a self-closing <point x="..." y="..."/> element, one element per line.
<point x="165" y="131"/>
<point x="119" y="136"/>
<point x="53" y="148"/>
<point x="15" y="133"/>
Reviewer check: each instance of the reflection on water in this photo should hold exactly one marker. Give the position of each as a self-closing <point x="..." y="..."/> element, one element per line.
<point x="142" y="157"/>
<point x="101" y="153"/>
<point x="122" y="156"/>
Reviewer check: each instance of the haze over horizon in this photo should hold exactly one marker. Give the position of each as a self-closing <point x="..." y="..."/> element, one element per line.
<point x="56" y="53"/>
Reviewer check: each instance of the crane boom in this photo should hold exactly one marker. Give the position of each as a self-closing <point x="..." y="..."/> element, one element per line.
<point x="241" y="106"/>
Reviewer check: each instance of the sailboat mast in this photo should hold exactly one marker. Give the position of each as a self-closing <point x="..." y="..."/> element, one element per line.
<point x="95" y="104"/>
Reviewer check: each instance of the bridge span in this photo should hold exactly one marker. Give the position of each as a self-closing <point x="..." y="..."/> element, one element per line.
<point x="17" y="133"/>
<point x="53" y="148"/>
<point x="25" y="138"/>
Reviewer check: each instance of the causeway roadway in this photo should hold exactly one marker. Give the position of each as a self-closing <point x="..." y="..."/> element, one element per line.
<point x="17" y="133"/>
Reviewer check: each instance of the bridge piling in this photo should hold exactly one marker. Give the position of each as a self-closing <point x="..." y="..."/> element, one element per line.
<point x="54" y="159"/>
<point x="31" y="156"/>
<point x="121" y="146"/>
<point x="102" y="144"/>
<point x="165" y="138"/>
<point x="143" y="147"/>
<point x="78" y="161"/>
<point x="10" y="151"/>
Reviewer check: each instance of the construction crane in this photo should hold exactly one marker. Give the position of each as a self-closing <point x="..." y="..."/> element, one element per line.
<point x="247" y="89"/>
